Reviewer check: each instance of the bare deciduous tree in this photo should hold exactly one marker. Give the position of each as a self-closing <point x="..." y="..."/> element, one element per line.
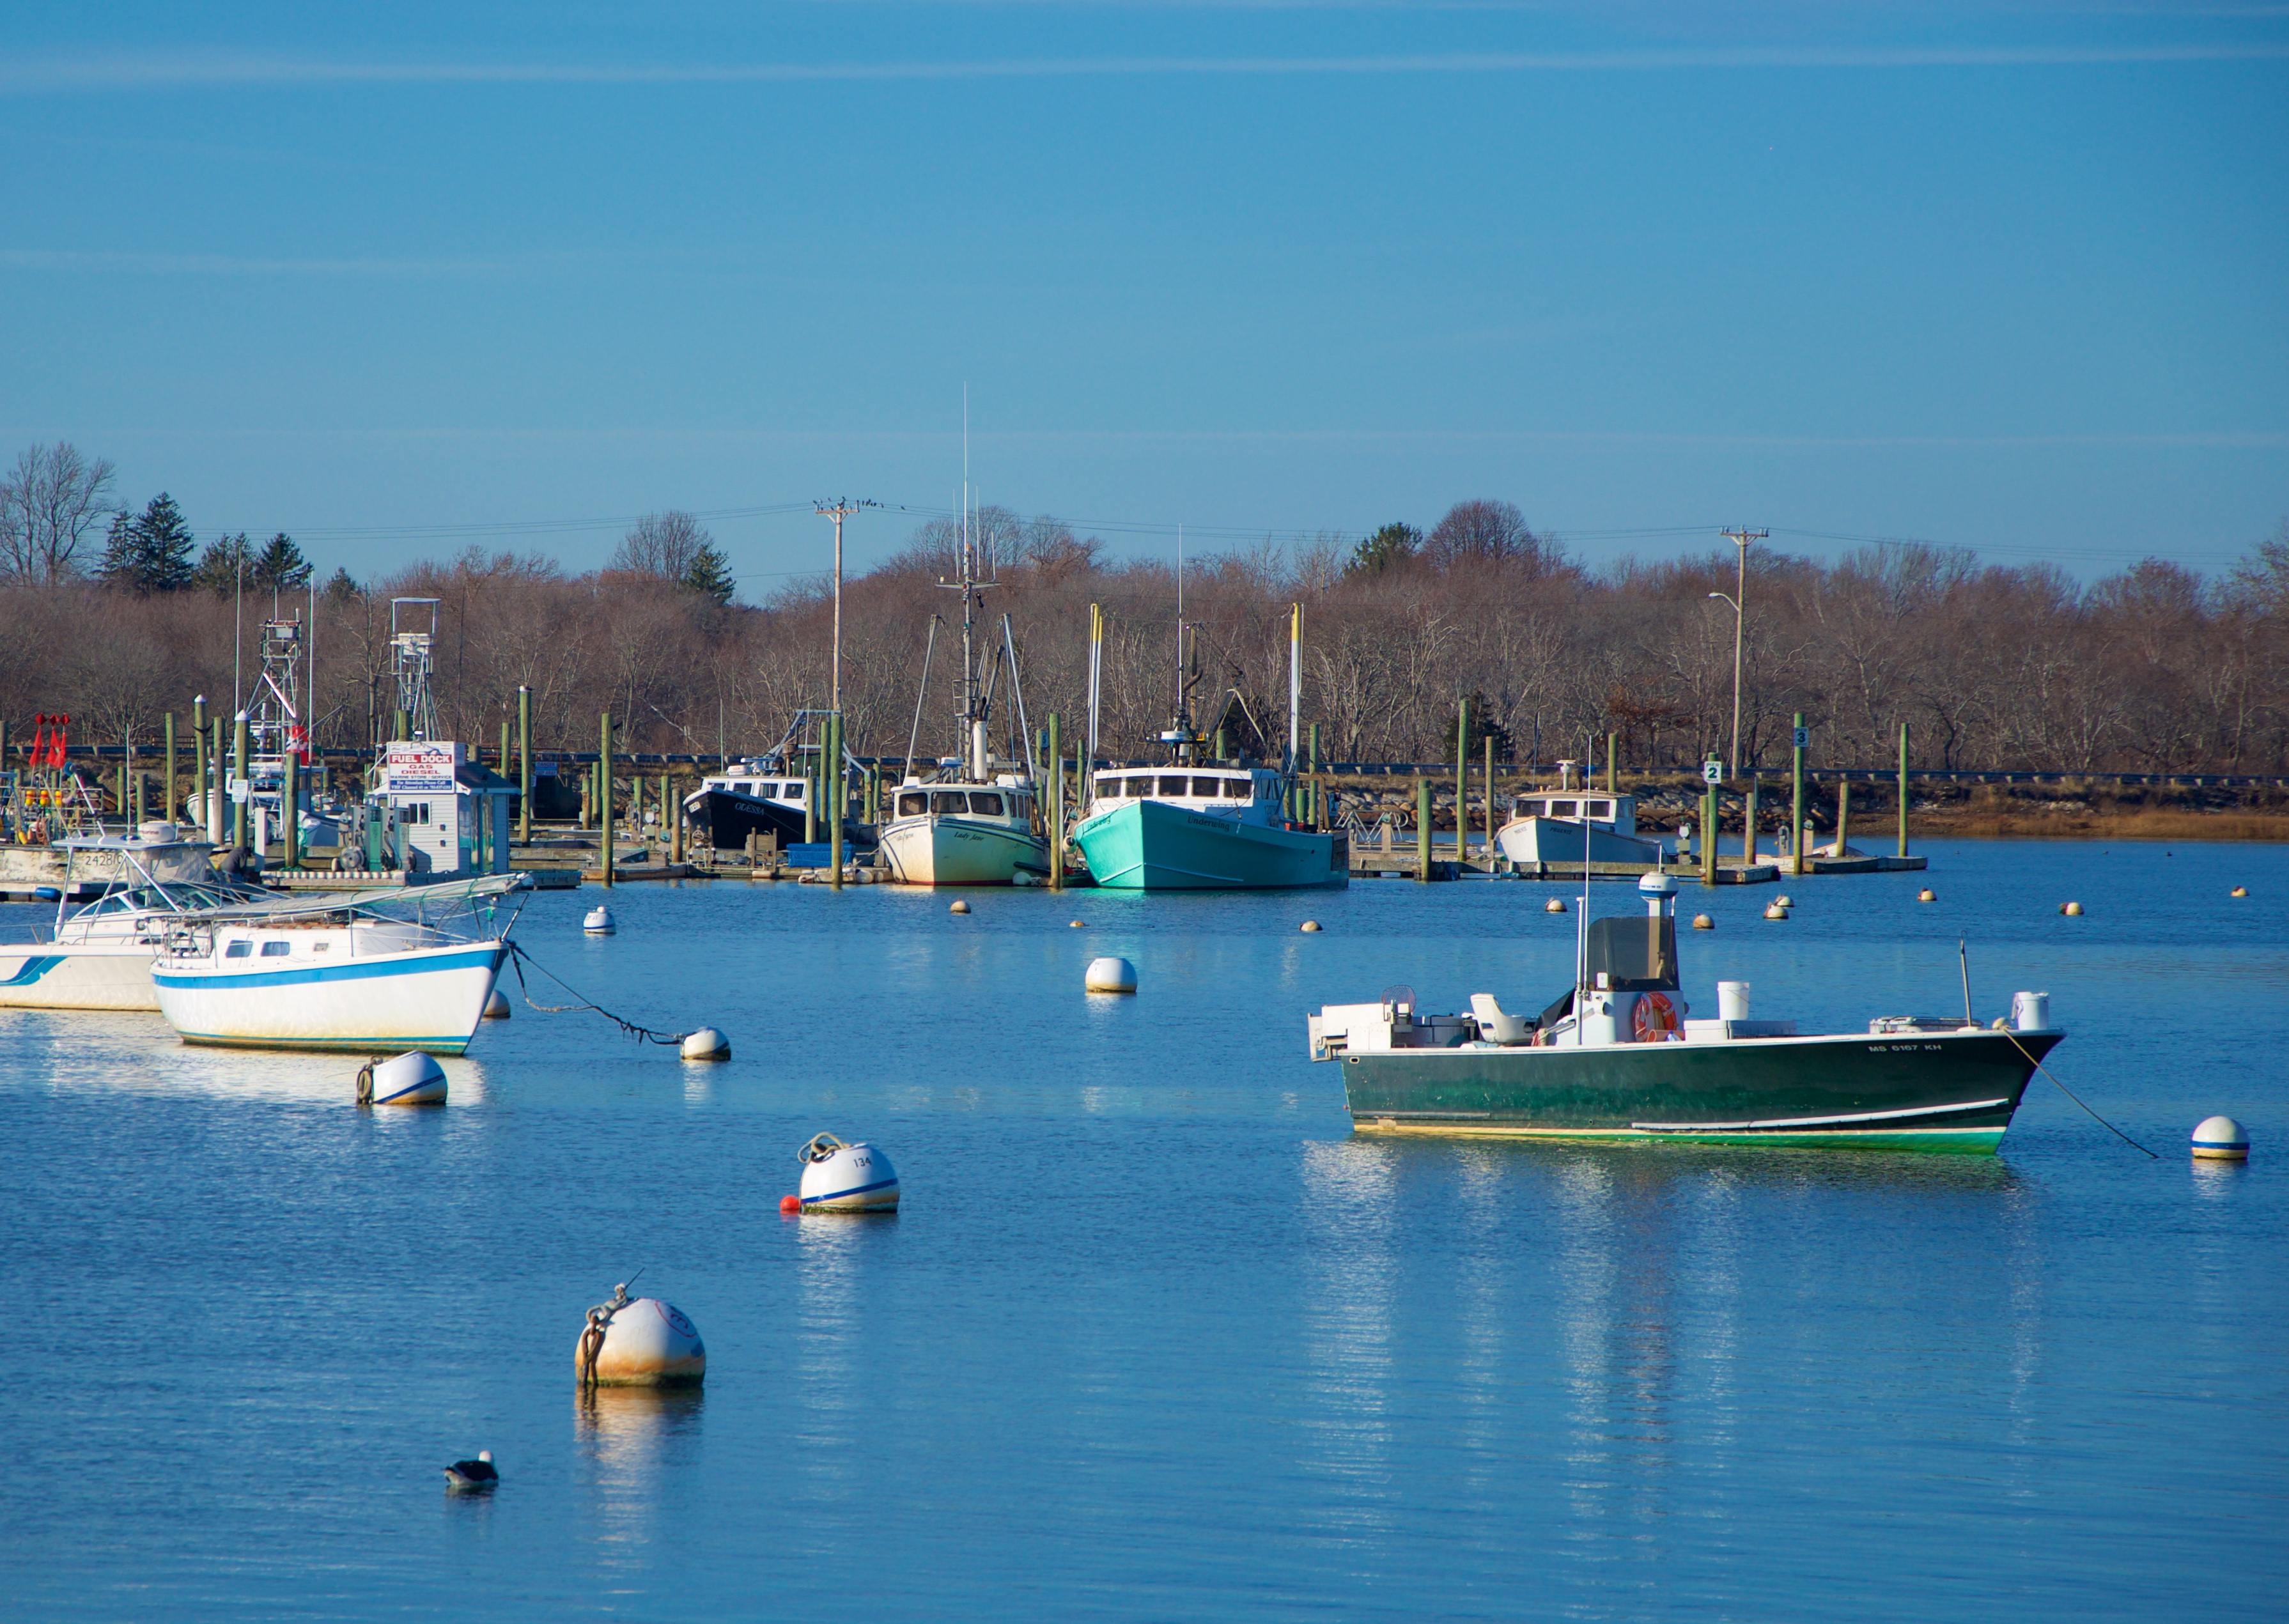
<point x="49" y="502"/>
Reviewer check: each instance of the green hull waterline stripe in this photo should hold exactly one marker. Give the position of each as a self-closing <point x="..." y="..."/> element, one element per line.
<point x="1966" y="1141"/>
<point x="1795" y="1122"/>
<point x="364" y="1045"/>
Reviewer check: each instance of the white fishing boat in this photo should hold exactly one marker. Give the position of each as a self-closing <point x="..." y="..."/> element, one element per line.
<point x="98" y="955"/>
<point x="384" y="971"/>
<point x="967" y="824"/>
<point x="1549" y="826"/>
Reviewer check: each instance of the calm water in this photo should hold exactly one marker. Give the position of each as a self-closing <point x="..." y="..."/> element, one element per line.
<point x="1154" y="1337"/>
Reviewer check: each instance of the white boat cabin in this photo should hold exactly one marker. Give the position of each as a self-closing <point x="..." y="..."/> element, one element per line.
<point x="757" y="778"/>
<point x="1005" y="799"/>
<point x="1226" y="790"/>
<point x="1619" y="812"/>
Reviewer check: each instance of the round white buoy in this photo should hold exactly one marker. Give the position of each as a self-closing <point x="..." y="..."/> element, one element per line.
<point x="1074" y="923"/>
<point x="1783" y="901"/>
<point x="643" y="1342"/>
<point x="2073" y="910"/>
<point x="1927" y="896"/>
<point x="959" y="906"/>
<point x="2238" y="891"/>
<point x="707" y="1044"/>
<point x="1310" y="925"/>
<point x="1773" y="911"/>
<point x="1556" y="905"/>
<point x="1111" y="975"/>
<point x="1702" y="922"/>
<point x="2220" y="1139"/>
<point x="412" y="1079"/>
<point x="496" y="1006"/>
<point x="846" y="1178"/>
<point x="598" y="923"/>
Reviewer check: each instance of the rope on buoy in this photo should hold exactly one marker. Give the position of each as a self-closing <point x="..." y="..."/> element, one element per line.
<point x="520" y="959"/>
<point x="592" y="1344"/>
<point x="2077" y="1098"/>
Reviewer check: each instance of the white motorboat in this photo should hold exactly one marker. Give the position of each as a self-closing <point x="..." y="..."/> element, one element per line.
<point x="379" y="970"/>
<point x="1549" y="826"/>
<point x="959" y="830"/>
<point x="98" y="955"/>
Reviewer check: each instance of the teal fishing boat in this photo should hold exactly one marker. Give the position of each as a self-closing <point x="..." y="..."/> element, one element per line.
<point x="1198" y="828"/>
<point x="1615" y="1058"/>
<point x="1207" y="826"/>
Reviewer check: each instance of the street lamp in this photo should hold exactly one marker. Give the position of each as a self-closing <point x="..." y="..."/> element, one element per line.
<point x="1738" y="596"/>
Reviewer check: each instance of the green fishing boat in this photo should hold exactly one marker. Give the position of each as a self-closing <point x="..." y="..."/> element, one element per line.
<point x="1615" y="1058"/>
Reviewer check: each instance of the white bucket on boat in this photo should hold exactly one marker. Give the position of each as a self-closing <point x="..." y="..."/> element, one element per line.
<point x="846" y="1178"/>
<point x="1732" y="1001"/>
<point x="2030" y="1012"/>
<point x="647" y="1343"/>
<point x="409" y="1079"/>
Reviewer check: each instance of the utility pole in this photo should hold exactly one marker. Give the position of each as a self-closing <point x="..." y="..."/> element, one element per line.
<point x="1740" y="539"/>
<point x="838" y="510"/>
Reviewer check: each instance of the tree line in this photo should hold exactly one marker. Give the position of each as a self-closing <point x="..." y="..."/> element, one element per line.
<point x="120" y="614"/>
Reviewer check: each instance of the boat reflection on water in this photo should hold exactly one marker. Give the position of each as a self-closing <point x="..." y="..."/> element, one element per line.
<point x="1611" y="1315"/>
<point x="632" y="1441"/>
<point x="839" y="1258"/>
<point x="126" y="1052"/>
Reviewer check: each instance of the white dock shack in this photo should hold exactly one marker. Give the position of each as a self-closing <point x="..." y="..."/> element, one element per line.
<point x="440" y="813"/>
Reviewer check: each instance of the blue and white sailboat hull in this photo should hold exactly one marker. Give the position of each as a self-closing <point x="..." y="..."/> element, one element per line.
<point x="430" y="999"/>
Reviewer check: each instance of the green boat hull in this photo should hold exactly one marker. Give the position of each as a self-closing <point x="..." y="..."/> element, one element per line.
<point x="1151" y="846"/>
<point x="1921" y="1092"/>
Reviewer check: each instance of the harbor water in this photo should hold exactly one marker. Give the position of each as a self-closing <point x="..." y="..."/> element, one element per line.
<point x="1153" y="1336"/>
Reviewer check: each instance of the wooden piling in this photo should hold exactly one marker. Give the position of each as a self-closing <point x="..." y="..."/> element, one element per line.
<point x="1708" y="835"/>
<point x="1904" y="789"/>
<point x="1749" y="825"/>
<point x="218" y="819"/>
<point x="1055" y="789"/>
<point x="240" y="809"/>
<point x="167" y="796"/>
<point x="1422" y="829"/>
<point x="1843" y="813"/>
<point x="524" y="762"/>
<point x="604" y="798"/>
<point x="1613" y="774"/>
<point x="1796" y="805"/>
<point x="290" y="800"/>
<point x="1489" y="741"/>
<point x="672" y="809"/>
<point x="199" y="766"/>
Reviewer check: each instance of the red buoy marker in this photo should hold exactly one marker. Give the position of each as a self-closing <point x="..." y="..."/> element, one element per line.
<point x="790" y="1204"/>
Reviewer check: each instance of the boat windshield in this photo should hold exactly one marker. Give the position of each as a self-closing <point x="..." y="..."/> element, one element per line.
<point x="1636" y="955"/>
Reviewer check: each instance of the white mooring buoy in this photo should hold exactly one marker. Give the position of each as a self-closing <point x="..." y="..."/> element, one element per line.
<point x="1556" y="905"/>
<point x="1310" y="925"/>
<point x="496" y="1006"/>
<point x="1702" y="922"/>
<point x="412" y="1079"/>
<point x="1783" y="901"/>
<point x="638" y="1343"/>
<point x="958" y="906"/>
<point x="1111" y="975"/>
<point x="846" y="1178"/>
<point x="598" y="923"/>
<point x="707" y="1044"/>
<point x="2220" y="1139"/>
<point x="2073" y="910"/>
<point x="1773" y="911"/>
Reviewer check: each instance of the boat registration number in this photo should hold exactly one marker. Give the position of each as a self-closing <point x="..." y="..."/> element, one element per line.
<point x="1899" y="1049"/>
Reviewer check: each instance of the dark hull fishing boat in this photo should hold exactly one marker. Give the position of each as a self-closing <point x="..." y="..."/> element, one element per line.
<point x="760" y="799"/>
<point x="1614" y="1059"/>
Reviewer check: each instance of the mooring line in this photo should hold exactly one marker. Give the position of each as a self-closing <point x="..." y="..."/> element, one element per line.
<point x="520" y="959"/>
<point x="2077" y="1098"/>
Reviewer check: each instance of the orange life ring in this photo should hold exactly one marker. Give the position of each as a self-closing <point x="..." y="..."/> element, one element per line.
<point x="1654" y="1017"/>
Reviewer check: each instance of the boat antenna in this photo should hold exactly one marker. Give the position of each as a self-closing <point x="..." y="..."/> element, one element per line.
<point x="1295" y="692"/>
<point x="1963" y="962"/>
<point x="921" y="693"/>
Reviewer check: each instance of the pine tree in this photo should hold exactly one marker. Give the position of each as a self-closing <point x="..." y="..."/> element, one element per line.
<point x="168" y="545"/>
<point x="710" y="575"/>
<point x="281" y="566"/>
<point x="122" y="552"/>
<point x="341" y="587"/>
<point x="227" y="561"/>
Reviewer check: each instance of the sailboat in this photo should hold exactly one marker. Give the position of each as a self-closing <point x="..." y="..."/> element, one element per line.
<point x="966" y="824"/>
<point x="1200" y="825"/>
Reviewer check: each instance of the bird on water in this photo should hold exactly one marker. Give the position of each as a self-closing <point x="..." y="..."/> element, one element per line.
<point x="477" y="1474"/>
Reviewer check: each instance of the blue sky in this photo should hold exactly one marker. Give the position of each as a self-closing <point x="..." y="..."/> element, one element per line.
<point x="2012" y="277"/>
